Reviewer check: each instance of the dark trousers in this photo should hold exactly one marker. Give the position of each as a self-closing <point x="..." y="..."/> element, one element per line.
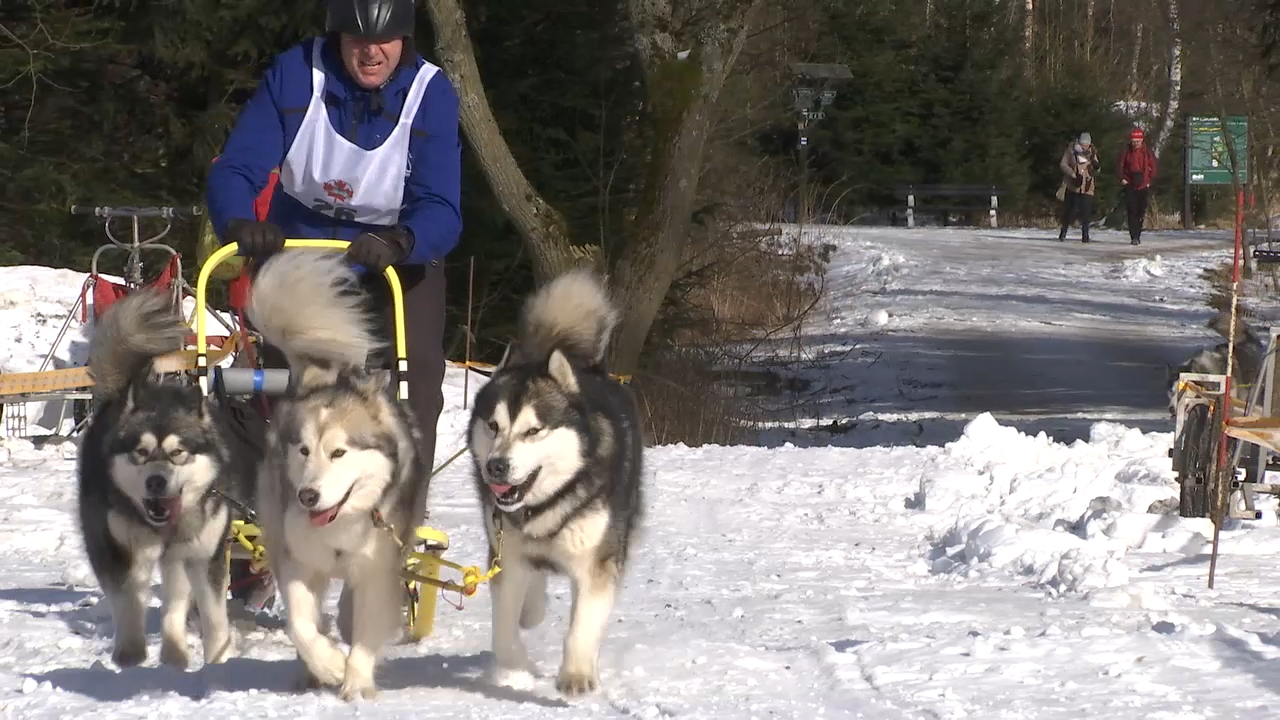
<point x="1135" y="202"/>
<point x="424" y="313"/>
<point x="1076" y="205"/>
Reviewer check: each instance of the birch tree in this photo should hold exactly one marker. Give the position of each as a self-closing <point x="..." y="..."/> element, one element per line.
<point x="1169" y="117"/>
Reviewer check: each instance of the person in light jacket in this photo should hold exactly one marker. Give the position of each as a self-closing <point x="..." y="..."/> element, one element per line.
<point x="1079" y="165"/>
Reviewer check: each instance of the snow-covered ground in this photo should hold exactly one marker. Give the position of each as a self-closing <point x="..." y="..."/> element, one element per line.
<point x="986" y="573"/>
<point x="926" y="328"/>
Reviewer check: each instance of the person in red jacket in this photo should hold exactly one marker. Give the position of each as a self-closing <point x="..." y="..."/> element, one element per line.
<point x="1137" y="168"/>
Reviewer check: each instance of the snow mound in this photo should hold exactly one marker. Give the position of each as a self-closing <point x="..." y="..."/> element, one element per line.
<point x="34" y="305"/>
<point x="1063" y="516"/>
<point x="1139" y="269"/>
<point x="878" y="272"/>
<point x="877" y="318"/>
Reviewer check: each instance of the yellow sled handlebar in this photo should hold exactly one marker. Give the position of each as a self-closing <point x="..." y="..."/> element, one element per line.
<point x="229" y="250"/>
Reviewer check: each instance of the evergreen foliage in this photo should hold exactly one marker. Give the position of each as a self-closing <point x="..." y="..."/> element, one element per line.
<point x="127" y="101"/>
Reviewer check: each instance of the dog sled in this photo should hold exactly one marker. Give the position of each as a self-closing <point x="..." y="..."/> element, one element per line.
<point x="1227" y="436"/>
<point x="72" y="387"/>
<point x="227" y="366"/>
<point x="247" y="561"/>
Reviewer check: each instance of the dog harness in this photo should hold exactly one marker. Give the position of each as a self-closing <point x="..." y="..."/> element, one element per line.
<point x="332" y="175"/>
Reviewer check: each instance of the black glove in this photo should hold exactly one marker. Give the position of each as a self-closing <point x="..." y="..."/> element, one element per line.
<point x="378" y="250"/>
<point x="255" y="239"/>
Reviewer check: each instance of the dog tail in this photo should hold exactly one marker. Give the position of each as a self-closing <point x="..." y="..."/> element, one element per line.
<point x="130" y="334"/>
<point x="308" y="304"/>
<point x="572" y="314"/>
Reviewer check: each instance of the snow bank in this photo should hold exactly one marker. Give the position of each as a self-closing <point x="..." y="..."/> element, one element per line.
<point x="34" y="304"/>
<point x="1064" y="516"/>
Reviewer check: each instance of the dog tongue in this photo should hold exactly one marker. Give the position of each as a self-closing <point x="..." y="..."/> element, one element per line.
<point x="499" y="489"/>
<point x="174" y="506"/>
<point x="324" y="517"/>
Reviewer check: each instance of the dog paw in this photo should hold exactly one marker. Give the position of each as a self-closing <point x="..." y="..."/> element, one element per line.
<point x="512" y="678"/>
<point x="333" y="669"/>
<point x="576" y="683"/>
<point x="218" y="654"/>
<point x="129" y="653"/>
<point x="174" y="655"/>
<point x="356" y="688"/>
<point x="512" y="657"/>
<point x="306" y="681"/>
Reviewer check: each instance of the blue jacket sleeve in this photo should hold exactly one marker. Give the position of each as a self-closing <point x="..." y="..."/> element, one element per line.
<point x="432" y="208"/>
<point x="253" y="149"/>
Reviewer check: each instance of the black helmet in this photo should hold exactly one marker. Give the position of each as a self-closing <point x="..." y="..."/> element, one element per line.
<point x="374" y="19"/>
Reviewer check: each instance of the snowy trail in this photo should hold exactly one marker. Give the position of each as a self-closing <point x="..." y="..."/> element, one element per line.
<point x="770" y="583"/>
<point x="1046" y="335"/>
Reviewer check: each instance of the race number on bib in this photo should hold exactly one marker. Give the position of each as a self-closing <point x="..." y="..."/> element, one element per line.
<point x="338" y="212"/>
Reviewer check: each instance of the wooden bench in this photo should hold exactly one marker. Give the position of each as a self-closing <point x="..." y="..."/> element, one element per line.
<point x="954" y="192"/>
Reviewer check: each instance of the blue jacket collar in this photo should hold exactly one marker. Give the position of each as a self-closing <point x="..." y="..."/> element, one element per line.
<point x="342" y="90"/>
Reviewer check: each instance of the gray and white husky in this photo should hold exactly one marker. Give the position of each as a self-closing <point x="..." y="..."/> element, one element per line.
<point x="557" y="453"/>
<point x="155" y="468"/>
<point x="343" y="475"/>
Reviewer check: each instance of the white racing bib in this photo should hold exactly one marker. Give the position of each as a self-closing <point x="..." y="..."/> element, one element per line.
<point x="333" y="176"/>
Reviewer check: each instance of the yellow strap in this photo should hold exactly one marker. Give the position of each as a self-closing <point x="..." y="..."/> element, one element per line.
<point x="472" y="576"/>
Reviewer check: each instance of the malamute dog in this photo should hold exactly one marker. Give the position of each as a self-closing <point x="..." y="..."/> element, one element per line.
<point x="1249" y="353"/>
<point x="557" y="453"/>
<point x="155" y="468"/>
<point x="343" y="475"/>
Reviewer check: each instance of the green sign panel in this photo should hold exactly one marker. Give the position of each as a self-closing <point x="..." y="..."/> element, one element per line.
<point x="1208" y="162"/>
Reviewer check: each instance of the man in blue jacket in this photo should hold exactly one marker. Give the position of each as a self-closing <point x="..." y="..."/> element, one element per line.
<point x="364" y="132"/>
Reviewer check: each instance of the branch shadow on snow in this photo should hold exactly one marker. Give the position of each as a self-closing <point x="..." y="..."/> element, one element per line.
<point x="923" y="389"/>
<point x="1187" y="561"/>
<point x="51" y="595"/>
<point x="71" y="608"/>
<point x="1238" y="654"/>
<point x="1057" y="306"/>
<point x="240" y="674"/>
<point x="80" y="618"/>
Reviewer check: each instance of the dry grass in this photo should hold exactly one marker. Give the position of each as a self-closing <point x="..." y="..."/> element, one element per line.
<point x="749" y="288"/>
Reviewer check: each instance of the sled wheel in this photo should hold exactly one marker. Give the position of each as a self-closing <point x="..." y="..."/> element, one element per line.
<point x="1197" y="445"/>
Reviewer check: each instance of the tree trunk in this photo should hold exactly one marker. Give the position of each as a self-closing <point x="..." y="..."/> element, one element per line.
<point x="1029" y="33"/>
<point x="682" y="84"/>
<point x="1134" y="67"/>
<point x="1088" y="29"/>
<point x="1169" y="117"/>
<point x="543" y="228"/>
